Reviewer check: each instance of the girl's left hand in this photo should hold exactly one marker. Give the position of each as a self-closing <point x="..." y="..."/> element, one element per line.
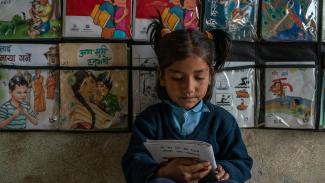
<point x="221" y="174"/>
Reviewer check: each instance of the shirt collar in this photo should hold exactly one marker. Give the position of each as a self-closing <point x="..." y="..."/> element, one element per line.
<point x="200" y="107"/>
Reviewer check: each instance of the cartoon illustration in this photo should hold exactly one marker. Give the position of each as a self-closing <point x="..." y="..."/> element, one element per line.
<point x="225" y="100"/>
<point x="191" y="19"/>
<point x="120" y="19"/>
<point x="105" y="100"/>
<point x="173" y="17"/>
<point x="242" y="94"/>
<point x="104" y="18"/>
<point x="39" y="93"/>
<point x="244" y="83"/>
<point x="290" y="20"/>
<point x="278" y="87"/>
<point x="30" y="19"/>
<point x="242" y="106"/>
<point x="15" y="112"/>
<point x="85" y="114"/>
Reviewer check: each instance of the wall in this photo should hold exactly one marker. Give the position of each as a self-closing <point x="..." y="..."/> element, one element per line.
<point x="43" y="157"/>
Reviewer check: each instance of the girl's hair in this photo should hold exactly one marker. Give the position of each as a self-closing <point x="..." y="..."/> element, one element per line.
<point x="80" y="76"/>
<point x="181" y="44"/>
<point x="106" y="79"/>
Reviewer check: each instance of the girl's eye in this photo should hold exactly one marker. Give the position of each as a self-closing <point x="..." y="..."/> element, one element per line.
<point x="199" y="77"/>
<point x="177" y="78"/>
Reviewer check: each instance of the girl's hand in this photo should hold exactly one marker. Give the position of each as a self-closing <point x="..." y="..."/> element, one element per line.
<point x="184" y="170"/>
<point x="221" y="174"/>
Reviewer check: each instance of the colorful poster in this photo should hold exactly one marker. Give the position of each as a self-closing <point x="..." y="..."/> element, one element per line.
<point x="290" y="97"/>
<point x="144" y="81"/>
<point x="93" y="54"/>
<point x="29" y="98"/>
<point x="289" y="20"/>
<point x="30" y="19"/>
<point x="108" y="19"/>
<point x="234" y="90"/>
<point x="237" y="17"/>
<point x="176" y="14"/>
<point x="94" y="100"/>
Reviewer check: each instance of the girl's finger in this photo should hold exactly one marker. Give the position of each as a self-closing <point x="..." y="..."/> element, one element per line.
<point x="225" y="176"/>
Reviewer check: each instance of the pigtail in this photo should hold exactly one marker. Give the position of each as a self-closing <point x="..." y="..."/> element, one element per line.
<point x="154" y="31"/>
<point x="222" y="47"/>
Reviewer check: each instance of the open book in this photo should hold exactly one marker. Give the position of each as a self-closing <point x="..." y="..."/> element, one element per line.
<point x="162" y="150"/>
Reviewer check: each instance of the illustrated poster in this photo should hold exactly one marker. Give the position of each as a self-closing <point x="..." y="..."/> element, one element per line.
<point x="234" y="90"/>
<point x="176" y="14"/>
<point x="29" y="98"/>
<point x="289" y="20"/>
<point x="290" y="97"/>
<point x="237" y="17"/>
<point x="30" y="19"/>
<point x="108" y="19"/>
<point x="144" y="81"/>
<point x="94" y="99"/>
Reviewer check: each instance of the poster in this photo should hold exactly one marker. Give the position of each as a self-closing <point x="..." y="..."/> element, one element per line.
<point x="322" y="117"/>
<point x="176" y="14"/>
<point x="106" y="19"/>
<point x="94" y="99"/>
<point x="234" y="90"/>
<point x="237" y="17"/>
<point x="30" y="19"/>
<point x="289" y="20"/>
<point x="290" y="97"/>
<point x="144" y="81"/>
<point x="29" y="98"/>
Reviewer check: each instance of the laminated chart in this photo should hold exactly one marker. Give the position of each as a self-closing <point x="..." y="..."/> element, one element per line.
<point x="290" y="96"/>
<point x="30" y="19"/>
<point x="234" y="90"/>
<point x="29" y="97"/>
<point x="94" y="98"/>
<point x="175" y="14"/>
<point x="144" y="78"/>
<point x="237" y="17"/>
<point x="108" y="19"/>
<point x="289" y="20"/>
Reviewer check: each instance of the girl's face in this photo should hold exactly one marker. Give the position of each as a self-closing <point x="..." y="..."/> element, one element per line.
<point x="120" y="3"/>
<point x="87" y="88"/>
<point x="186" y="81"/>
<point x="190" y="4"/>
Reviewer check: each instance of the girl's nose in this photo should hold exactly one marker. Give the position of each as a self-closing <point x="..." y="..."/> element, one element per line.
<point x="189" y="85"/>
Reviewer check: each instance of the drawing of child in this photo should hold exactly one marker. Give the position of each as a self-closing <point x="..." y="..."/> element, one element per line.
<point x="15" y="112"/>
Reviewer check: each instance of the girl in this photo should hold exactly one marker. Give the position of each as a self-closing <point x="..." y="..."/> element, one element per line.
<point x="187" y="60"/>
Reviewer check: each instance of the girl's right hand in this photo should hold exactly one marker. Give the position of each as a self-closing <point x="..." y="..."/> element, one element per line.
<point x="185" y="170"/>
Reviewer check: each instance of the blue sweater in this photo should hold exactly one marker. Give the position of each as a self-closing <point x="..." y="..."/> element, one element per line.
<point x="217" y="127"/>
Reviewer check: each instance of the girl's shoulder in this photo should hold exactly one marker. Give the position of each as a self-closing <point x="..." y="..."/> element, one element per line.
<point x="154" y="110"/>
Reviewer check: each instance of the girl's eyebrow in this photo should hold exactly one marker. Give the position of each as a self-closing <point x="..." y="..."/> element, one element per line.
<point x="196" y="71"/>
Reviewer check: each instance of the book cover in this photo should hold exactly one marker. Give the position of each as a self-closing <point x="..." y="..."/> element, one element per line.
<point x="290" y="97"/>
<point x="234" y="90"/>
<point x="30" y="19"/>
<point x="176" y="14"/>
<point x="293" y="20"/>
<point x="29" y="98"/>
<point x="106" y="19"/>
<point x="94" y="99"/>
<point x="236" y="17"/>
<point x="144" y="78"/>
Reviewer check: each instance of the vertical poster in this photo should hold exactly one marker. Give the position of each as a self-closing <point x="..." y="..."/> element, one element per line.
<point x="234" y="90"/>
<point x="176" y="14"/>
<point x="290" y="97"/>
<point x="289" y="20"/>
<point x="94" y="96"/>
<point x="30" y="19"/>
<point x="144" y="77"/>
<point x="237" y="17"/>
<point x="108" y="19"/>
<point x="29" y="98"/>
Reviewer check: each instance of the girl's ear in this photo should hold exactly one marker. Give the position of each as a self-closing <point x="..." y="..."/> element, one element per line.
<point x="161" y="77"/>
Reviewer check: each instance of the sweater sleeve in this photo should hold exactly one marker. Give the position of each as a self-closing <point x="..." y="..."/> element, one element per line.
<point x="233" y="156"/>
<point x="137" y="163"/>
